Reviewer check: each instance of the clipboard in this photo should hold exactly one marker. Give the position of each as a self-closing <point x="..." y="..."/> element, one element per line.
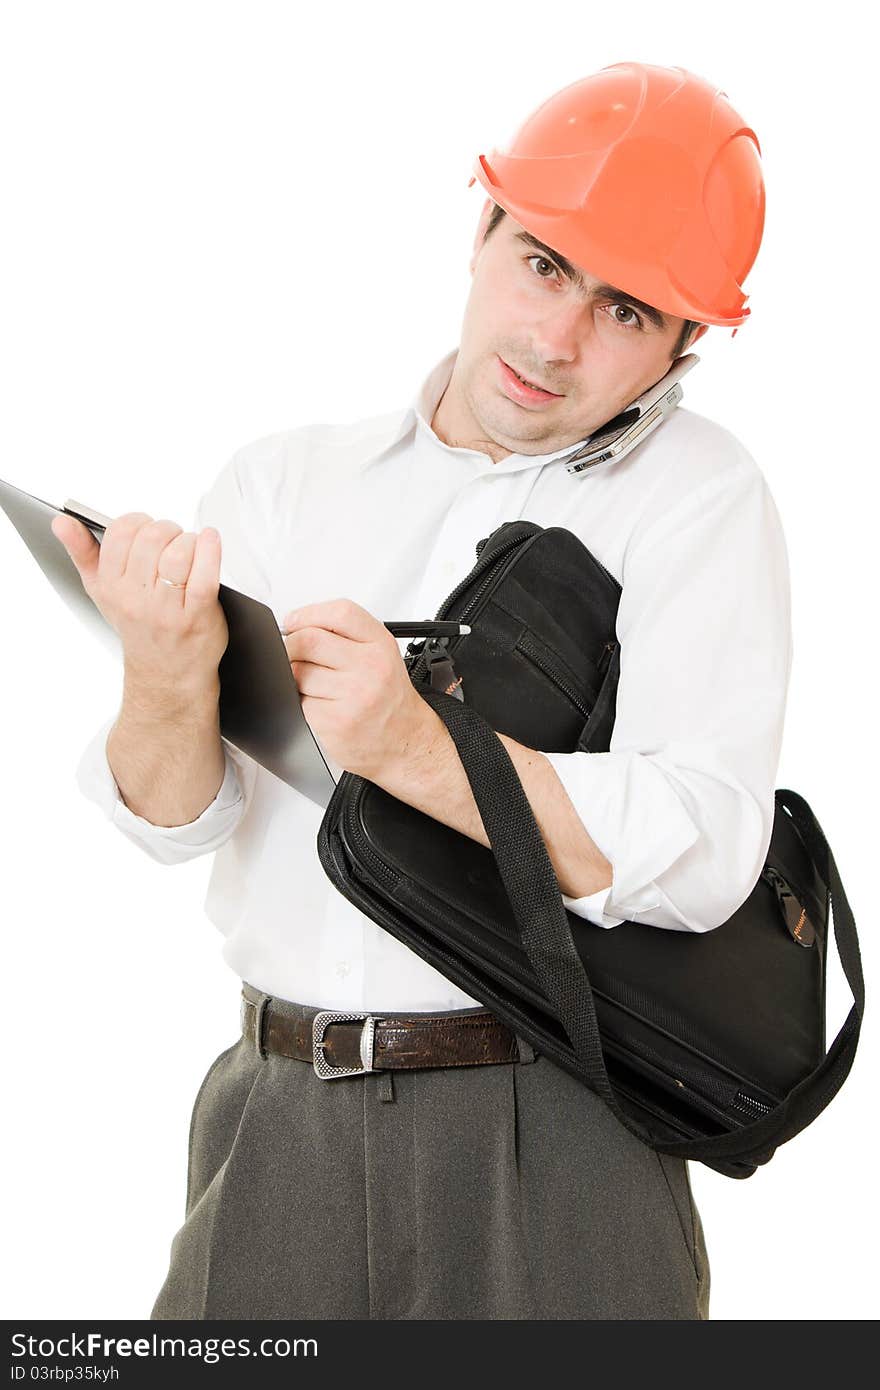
<point x="260" y="709"/>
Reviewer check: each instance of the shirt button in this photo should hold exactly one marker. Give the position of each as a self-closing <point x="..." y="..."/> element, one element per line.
<point x="342" y="968"/>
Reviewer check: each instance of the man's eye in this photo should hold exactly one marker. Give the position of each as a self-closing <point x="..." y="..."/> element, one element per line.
<point x="544" y="261"/>
<point x="634" y="322"/>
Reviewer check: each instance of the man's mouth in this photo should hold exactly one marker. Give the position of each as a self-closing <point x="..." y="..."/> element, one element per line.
<point x="535" y="385"/>
<point x="532" y="388"/>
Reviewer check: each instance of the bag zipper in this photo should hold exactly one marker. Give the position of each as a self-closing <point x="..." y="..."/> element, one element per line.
<point x="605" y="658"/>
<point x="697" y="1082"/>
<point x="794" y="914"/>
<point x="525" y="647"/>
<point x="415" y="652"/>
<point x="748" y="1105"/>
<point x="699" y="1087"/>
<point x="510" y="544"/>
<point x="671" y="1086"/>
<point x="420" y="654"/>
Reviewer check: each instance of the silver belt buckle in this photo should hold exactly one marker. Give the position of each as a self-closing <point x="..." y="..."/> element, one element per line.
<point x="368" y="1036"/>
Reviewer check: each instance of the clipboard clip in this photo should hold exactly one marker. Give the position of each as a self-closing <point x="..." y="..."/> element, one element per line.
<point x="97" y="522"/>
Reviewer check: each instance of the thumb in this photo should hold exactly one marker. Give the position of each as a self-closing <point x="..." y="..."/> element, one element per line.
<point x="79" y="543"/>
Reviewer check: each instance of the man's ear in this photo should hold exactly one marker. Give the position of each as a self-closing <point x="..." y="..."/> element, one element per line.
<point x="481" y="231"/>
<point x="699" y="333"/>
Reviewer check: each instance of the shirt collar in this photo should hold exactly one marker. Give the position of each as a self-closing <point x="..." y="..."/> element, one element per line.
<point x="424" y="404"/>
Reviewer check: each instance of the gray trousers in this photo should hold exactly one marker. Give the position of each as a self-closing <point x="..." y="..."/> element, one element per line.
<point x="499" y="1191"/>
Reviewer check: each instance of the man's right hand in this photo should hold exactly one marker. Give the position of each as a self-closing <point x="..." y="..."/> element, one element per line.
<point x="173" y="639"/>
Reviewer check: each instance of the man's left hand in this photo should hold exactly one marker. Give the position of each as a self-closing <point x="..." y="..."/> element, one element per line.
<point x="356" y="693"/>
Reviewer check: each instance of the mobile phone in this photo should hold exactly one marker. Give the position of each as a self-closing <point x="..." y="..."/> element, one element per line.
<point x="617" y="437"/>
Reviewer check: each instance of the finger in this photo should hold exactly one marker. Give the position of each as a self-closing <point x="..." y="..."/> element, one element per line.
<point x="341" y="615"/>
<point x="175" y="563"/>
<point x="116" y="543"/>
<point x="146" y="547"/>
<point x="80" y="545"/>
<point x="316" y="681"/>
<point x="203" y="584"/>
<point x="322" y="648"/>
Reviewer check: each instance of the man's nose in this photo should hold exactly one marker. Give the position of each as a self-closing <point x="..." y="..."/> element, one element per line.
<point x="559" y="337"/>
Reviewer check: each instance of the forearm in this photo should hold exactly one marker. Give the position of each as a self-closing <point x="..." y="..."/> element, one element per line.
<point x="429" y="775"/>
<point x="165" y="751"/>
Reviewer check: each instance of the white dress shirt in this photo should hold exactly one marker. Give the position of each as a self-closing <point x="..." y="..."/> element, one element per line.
<point x="382" y="512"/>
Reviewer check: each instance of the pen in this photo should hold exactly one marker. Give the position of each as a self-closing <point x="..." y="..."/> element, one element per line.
<point x="430" y="629"/>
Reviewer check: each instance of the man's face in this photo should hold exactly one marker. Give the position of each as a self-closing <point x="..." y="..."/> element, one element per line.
<point x="594" y="352"/>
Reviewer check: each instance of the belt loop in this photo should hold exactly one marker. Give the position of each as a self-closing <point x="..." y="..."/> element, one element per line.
<point x="259" y="1015"/>
<point x="525" y="1050"/>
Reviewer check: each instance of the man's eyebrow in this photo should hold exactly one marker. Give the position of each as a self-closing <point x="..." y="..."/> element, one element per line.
<point x="598" y="291"/>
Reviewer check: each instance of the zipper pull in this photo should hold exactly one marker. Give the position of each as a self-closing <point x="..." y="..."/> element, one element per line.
<point x="440" y="667"/>
<point x="605" y="657"/>
<point x="800" y="928"/>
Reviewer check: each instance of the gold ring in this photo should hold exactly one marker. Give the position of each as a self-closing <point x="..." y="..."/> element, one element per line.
<point x="170" y="582"/>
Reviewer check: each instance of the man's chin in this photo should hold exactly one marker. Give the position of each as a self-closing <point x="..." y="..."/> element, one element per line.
<point x="528" y="437"/>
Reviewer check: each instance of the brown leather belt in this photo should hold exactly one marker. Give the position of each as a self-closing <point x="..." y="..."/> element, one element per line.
<point x="350" y="1044"/>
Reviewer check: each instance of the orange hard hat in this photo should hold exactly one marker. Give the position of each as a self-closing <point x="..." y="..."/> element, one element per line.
<point x="647" y="178"/>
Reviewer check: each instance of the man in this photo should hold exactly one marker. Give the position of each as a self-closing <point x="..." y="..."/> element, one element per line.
<point x="468" y="1177"/>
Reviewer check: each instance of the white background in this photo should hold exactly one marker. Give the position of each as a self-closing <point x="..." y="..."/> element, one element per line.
<point x="227" y="219"/>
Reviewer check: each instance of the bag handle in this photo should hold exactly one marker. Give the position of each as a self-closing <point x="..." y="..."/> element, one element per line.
<point x="533" y="891"/>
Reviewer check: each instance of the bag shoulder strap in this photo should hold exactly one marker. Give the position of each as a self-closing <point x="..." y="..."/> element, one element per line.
<point x="536" y="901"/>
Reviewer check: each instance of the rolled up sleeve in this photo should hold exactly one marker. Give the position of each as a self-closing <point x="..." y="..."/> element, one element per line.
<point x="167" y="844"/>
<point x="682" y="804"/>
